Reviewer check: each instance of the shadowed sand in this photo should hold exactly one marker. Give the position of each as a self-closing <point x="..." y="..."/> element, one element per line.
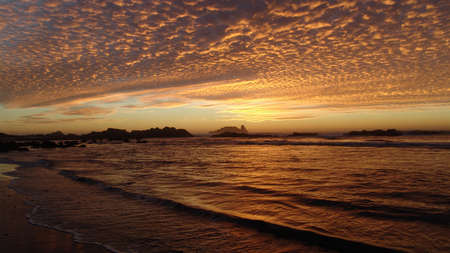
<point x="17" y="235"/>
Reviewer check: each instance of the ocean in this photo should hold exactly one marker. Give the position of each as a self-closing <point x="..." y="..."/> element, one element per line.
<point x="283" y="194"/>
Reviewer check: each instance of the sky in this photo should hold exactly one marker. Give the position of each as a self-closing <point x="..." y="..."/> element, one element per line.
<point x="273" y="66"/>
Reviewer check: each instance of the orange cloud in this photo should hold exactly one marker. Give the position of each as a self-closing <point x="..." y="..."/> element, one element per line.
<point x="33" y="120"/>
<point x="347" y="54"/>
<point x="87" y="111"/>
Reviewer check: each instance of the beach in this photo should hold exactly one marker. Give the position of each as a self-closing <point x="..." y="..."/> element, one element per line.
<point x="278" y="194"/>
<point x="17" y="235"/>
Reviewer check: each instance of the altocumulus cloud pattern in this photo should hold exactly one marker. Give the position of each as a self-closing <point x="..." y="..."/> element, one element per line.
<point x="327" y="54"/>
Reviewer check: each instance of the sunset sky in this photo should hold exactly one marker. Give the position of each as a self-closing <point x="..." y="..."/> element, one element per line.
<point x="273" y="66"/>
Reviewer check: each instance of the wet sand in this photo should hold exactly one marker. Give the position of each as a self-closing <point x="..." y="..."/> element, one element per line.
<point x="17" y="235"/>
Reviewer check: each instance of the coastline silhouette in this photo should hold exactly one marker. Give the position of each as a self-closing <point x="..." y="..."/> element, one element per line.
<point x="60" y="140"/>
<point x="72" y="140"/>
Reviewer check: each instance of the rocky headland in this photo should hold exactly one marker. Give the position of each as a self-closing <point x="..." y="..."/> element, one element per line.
<point x="120" y="134"/>
<point x="61" y="140"/>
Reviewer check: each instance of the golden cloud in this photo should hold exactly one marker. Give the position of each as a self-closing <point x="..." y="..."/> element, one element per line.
<point x="347" y="54"/>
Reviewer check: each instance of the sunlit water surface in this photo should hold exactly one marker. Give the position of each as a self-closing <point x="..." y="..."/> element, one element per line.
<point x="245" y="195"/>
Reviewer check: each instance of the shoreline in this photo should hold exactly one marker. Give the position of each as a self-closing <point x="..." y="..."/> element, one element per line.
<point x="17" y="235"/>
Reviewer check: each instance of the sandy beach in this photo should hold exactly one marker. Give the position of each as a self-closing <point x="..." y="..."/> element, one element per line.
<point x="17" y="235"/>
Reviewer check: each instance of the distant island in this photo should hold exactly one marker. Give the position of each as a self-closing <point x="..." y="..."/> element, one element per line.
<point x="389" y="132"/>
<point x="394" y="132"/>
<point x="422" y="132"/>
<point x="303" y="134"/>
<point x="8" y="142"/>
<point x="230" y="129"/>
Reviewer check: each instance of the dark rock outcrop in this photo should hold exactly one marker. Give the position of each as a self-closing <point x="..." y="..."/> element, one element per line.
<point x="2" y="135"/>
<point x="303" y="134"/>
<point x="389" y="132"/>
<point x="122" y="135"/>
<point x="159" y="133"/>
<point x="23" y="143"/>
<point x="421" y="132"/>
<point x="8" y="146"/>
<point x="110" y="134"/>
<point x="230" y="129"/>
<point x="25" y="146"/>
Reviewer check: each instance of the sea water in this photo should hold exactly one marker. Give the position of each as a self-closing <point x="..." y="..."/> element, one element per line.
<point x="285" y="194"/>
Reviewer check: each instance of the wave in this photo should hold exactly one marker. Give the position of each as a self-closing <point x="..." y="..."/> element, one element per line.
<point x="72" y="175"/>
<point x="362" y="208"/>
<point x="384" y="211"/>
<point x="368" y="143"/>
<point x="40" y="163"/>
<point x="278" y="230"/>
<point x="256" y="190"/>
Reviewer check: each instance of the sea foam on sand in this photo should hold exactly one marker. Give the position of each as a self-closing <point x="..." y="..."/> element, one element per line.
<point x="18" y="236"/>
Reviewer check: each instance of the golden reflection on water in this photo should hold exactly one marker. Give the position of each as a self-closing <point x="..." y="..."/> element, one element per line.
<point x="391" y="196"/>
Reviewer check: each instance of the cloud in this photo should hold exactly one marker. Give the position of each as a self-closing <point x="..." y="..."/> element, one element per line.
<point x="202" y="119"/>
<point x="66" y="114"/>
<point x="34" y="120"/>
<point x="348" y="54"/>
<point x="86" y="111"/>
